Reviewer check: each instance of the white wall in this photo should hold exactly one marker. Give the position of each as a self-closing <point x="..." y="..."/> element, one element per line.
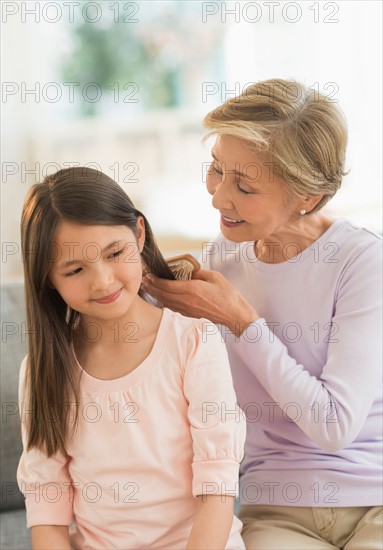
<point x="343" y="55"/>
<point x="345" y="59"/>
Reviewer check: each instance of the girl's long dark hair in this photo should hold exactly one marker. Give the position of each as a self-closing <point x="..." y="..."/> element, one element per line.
<point x="88" y="197"/>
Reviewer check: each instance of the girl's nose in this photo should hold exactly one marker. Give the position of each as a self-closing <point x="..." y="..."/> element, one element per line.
<point x="102" y="277"/>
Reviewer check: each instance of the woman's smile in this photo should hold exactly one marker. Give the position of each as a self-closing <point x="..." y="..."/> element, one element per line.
<point x="229" y="222"/>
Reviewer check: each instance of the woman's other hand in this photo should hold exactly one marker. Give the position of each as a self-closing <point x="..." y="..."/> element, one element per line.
<point x="209" y="294"/>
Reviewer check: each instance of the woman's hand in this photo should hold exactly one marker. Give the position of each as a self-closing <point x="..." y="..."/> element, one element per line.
<point x="207" y="295"/>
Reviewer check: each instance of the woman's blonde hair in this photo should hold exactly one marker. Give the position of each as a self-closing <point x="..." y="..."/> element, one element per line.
<point x="300" y="132"/>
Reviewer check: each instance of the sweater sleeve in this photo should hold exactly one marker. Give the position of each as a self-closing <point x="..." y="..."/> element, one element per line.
<point x="343" y="394"/>
<point x="217" y="424"/>
<point x="45" y="482"/>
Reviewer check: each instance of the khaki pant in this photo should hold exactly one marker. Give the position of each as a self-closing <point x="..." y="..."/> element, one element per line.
<point x="297" y="528"/>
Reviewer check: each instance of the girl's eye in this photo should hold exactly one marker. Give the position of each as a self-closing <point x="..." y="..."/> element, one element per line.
<point x="115" y="254"/>
<point x="74" y="272"/>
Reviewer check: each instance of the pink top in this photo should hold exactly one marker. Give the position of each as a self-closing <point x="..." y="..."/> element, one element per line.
<point x="146" y="445"/>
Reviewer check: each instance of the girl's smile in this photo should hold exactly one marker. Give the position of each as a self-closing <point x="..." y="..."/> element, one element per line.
<point x="111" y="298"/>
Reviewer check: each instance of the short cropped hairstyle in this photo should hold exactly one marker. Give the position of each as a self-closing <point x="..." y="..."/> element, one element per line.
<point x="299" y="131"/>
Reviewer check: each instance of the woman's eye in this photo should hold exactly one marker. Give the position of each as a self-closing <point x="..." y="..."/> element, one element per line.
<point x="74" y="272"/>
<point x="245" y="192"/>
<point x="216" y="169"/>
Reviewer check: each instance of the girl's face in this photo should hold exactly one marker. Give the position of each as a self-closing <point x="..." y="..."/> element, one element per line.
<point x="97" y="269"/>
<point x="252" y="201"/>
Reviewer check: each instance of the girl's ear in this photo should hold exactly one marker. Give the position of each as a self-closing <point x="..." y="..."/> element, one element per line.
<point x="140" y="226"/>
<point x="49" y="284"/>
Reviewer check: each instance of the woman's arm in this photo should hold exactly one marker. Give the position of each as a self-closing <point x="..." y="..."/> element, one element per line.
<point x="334" y="406"/>
<point x="209" y="295"/>
<point x="330" y="407"/>
<point x="50" y="537"/>
<point x="212" y="524"/>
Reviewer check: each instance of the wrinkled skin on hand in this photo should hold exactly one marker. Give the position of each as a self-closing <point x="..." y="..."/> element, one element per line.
<point x="208" y="295"/>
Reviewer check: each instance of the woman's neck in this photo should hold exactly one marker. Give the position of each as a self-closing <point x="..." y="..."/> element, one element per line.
<point x="291" y="239"/>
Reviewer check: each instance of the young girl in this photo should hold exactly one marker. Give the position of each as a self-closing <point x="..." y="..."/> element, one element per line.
<point x="131" y="431"/>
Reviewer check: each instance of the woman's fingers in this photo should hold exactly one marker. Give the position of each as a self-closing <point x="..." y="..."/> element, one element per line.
<point x="204" y="275"/>
<point x="209" y="294"/>
<point x="192" y="298"/>
<point x="162" y="291"/>
<point x="175" y="295"/>
<point x="151" y="282"/>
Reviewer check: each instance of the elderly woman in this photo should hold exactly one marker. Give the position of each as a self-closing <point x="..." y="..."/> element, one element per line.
<point x="297" y="298"/>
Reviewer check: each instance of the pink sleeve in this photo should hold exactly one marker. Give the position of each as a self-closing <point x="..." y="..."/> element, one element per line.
<point x="45" y="482"/>
<point x="217" y="425"/>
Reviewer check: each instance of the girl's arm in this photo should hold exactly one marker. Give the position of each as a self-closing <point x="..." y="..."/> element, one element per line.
<point x="218" y="430"/>
<point x="50" y="537"/>
<point x="211" y="527"/>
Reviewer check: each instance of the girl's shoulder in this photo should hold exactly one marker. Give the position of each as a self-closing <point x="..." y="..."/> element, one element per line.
<point x="183" y="326"/>
<point x="190" y="334"/>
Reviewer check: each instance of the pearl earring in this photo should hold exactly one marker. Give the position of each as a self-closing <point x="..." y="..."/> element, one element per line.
<point x="302" y="212"/>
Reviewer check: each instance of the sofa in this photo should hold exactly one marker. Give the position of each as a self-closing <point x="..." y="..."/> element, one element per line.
<point x="13" y="530"/>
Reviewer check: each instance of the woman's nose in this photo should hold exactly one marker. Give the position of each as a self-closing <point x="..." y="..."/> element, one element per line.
<point x="212" y="183"/>
<point x="221" y="199"/>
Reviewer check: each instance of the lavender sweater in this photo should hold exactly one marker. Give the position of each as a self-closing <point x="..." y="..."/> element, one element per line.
<point x="308" y="372"/>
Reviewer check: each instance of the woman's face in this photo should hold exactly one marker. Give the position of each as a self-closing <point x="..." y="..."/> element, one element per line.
<point x="253" y="202"/>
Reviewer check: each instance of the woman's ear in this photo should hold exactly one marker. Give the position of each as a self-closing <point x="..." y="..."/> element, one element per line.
<point x="309" y="203"/>
<point x="140" y="227"/>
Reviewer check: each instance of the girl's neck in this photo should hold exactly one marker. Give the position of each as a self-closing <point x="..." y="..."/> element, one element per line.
<point x="95" y="337"/>
<point x="122" y="346"/>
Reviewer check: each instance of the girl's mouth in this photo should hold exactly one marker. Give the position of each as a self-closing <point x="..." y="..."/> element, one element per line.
<point x="108" y="299"/>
